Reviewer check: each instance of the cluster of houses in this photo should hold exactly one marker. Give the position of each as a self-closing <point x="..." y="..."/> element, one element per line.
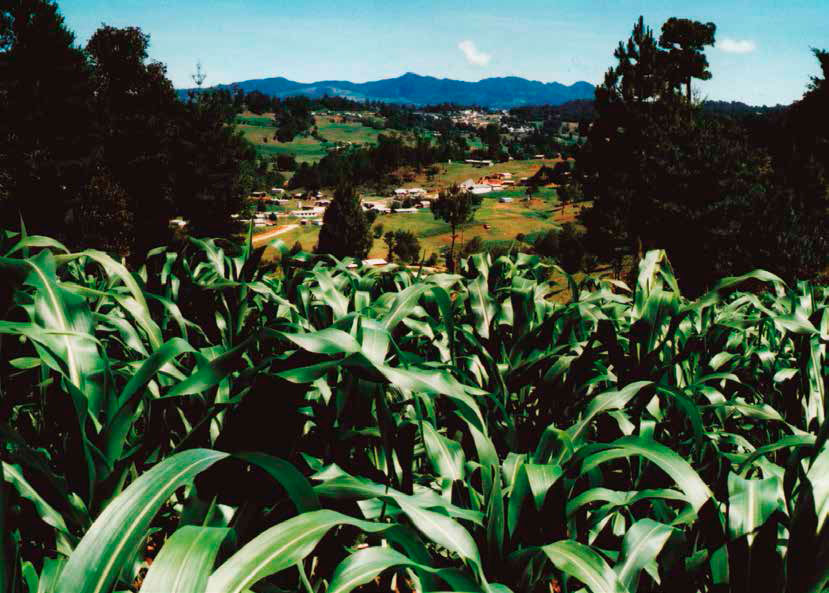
<point x="411" y="192"/>
<point x="312" y="213"/>
<point x="489" y="183"/>
<point x="475" y="118"/>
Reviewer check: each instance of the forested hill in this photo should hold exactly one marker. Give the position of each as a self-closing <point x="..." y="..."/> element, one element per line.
<point x="506" y="92"/>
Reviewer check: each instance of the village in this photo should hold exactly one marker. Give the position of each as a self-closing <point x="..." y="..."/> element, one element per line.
<point x="278" y="206"/>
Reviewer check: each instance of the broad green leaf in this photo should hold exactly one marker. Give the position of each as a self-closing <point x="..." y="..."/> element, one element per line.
<point x="583" y="563"/>
<point x="446" y="532"/>
<point x="296" y="485"/>
<point x="445" y="455"/>
<point x="750" y="504"/>
<point x="694" y="488"/>
<point x="280" y="547"/>
<point x="364" y="565"/>
<point x="640" y="546"/>
<point x="611" y="400"/>
<point x="15" y="478"/>
<point x="185" y="561"/>
<point x="114" y="536"/>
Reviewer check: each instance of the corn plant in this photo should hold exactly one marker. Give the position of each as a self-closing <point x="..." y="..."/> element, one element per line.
<point x="205" y="423"/>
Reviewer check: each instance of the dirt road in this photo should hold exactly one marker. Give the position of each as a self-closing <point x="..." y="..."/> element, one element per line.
<point x="268" y="235"/>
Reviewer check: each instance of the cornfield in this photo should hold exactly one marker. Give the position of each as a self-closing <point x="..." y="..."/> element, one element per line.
<point x="198" y="424"/>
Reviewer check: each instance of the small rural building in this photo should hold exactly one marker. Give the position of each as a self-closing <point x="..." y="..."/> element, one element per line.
<point x="480" y="188"/>
<point x="259" y="195"/>
<point x="372" y="261"/>
<point x="308" y="212"/>
<point x="505" y="200"/>
<point x="479" y="163"/>
<point x="277" y="191"/>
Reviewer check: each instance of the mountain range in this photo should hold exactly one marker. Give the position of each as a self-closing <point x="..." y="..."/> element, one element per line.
<point x="499" y="93"/>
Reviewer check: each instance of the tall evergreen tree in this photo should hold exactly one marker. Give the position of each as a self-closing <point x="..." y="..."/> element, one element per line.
<point x="345" y="229"/>
<point x="139" y="118"/>
<point x="685" y="41"/>
<point x="697" y="187"/>
<point x="45" y="116"/>
<point x="216" y="166"/>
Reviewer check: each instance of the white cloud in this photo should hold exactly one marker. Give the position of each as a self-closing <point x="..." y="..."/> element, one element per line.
<point x="737" y="46"/>
<point x="473" y="54"/>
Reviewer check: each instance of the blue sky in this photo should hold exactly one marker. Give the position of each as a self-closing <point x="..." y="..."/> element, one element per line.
<point x="762" y="54"/>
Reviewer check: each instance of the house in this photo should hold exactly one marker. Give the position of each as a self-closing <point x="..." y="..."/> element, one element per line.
<point x="414" y="191"/>
<point x="505" y="200"/>
<point x="479" y="163"/>
<point x="480" y="188"/>
<point x="405" y="210"/>
<point x="375" y="262"/>
<point x="308" y="212"/>
<point x="376" y="206"/>
<point x="259" y="195"/>
<point x="277" y="191"/>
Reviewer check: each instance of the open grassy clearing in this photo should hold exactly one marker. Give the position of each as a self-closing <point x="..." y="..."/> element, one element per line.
<point x="305" y="148"/>
<point x="458" y="172"/>
<point x="505" y="222"/>
<point x="259" y="130"/>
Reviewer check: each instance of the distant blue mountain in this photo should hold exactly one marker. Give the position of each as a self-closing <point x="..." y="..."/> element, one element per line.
<point x="505" y="92"/>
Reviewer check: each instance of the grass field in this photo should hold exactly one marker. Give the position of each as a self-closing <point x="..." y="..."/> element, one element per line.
<point x="506" y="221"/>
<point x="459" y="172"/>
<point x="304" y="148"/>
<point x="260" y="131"/>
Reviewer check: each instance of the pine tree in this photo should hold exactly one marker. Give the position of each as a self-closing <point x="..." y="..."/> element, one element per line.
<point x="345" y="230"/>
<point x="45" y="116"/>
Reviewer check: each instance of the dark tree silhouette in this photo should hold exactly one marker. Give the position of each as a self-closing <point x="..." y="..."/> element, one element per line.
<point x="345" y="230"/>
<point x="46" y="116"/>
<point x="685" y="41"/>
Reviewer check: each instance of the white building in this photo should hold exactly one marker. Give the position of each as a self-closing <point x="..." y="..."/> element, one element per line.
<point x="308" y="213"/>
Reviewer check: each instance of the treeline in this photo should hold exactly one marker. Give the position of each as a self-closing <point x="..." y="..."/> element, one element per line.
<point x="721" y="196"/>
<point x="292" y="115"/>
<point x="95" y="146"/>
<point x="375" y="165"/>
<point x="577" y="110"/>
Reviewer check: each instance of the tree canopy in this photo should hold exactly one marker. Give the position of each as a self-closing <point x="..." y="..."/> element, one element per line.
<point x="345" y="230"/>
<point x="700" y="187"/>
<point x="456" y="207"/>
